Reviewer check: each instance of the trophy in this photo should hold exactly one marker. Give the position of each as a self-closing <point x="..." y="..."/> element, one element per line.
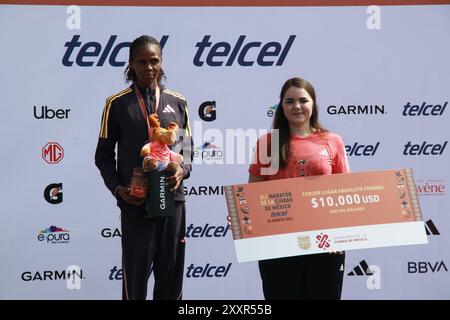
<point x="138" y="183"/>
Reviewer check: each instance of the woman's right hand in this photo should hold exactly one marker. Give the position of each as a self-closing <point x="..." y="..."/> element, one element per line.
<point x="229" y="220"/>
<point x="124" y="194"/>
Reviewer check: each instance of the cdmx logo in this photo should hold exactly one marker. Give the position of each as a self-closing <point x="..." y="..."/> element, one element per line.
<point x="207" y="111"/>
<point x="373" y="272"/>
<point x="323" y="241"/>
<point x="54" y="235"/>
<point x="53" y="193"/>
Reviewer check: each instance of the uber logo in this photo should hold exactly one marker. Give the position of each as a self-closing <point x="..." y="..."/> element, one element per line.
<point x="222" y="53"/>
<point x="49" y="113"/>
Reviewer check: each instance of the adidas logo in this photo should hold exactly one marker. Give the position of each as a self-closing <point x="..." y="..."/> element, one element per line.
<point x="431" y="229"/>
<point x="361" y="270"/>
<point x="324" y="152"/>
<point x="168" y="109"/>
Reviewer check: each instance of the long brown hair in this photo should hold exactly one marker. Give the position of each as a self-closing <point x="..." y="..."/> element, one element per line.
<point x="281" y="123"/>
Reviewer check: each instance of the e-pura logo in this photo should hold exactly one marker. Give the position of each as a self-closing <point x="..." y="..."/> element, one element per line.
<point x="54" y="234"/>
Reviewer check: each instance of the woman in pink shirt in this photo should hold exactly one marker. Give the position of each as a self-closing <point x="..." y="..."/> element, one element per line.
<point x="305" y="149"/>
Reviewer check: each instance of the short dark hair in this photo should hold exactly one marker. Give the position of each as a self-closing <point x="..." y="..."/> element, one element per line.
<point x="144" y="40"/>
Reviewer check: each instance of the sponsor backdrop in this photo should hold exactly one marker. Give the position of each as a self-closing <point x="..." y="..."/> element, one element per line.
<point x="382" y="77"/>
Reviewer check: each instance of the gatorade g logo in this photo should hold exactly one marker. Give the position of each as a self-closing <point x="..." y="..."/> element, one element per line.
<point x="207" y="111"/>
<point x="53" y="193"/>
<point x="90" y="53"/>
<point x="245" y="53"/>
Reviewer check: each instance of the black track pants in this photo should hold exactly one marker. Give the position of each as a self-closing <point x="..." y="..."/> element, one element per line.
<point x="155" y="244"/>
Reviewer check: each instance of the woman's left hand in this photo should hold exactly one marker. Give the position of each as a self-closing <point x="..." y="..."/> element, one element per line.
<point x="174" y="180"/>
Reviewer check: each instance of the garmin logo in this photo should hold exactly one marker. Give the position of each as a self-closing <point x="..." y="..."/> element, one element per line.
<point x="204" y="191"/>
<point x="110" y="233"/>
<point x="162" y="192"/>
<point x="356" y="109"/>
<point x="52" y="275"/>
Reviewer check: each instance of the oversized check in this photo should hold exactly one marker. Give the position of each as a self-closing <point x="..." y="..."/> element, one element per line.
<point x="308" y="215"/>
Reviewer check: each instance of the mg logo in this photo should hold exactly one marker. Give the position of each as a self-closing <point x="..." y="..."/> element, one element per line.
<point x="52" y="153"/>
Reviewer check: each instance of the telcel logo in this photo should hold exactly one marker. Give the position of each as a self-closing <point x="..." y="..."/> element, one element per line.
<point x="424" y="149"/>
<point x="361" y="149"/>
<point x="224" y="53"/>
<point x="424" y="110"/>
<point x="115" y="273"/>
<point x="206" y="231"/>
<point x="208" y="271"/>
<point x="93" y="52"/>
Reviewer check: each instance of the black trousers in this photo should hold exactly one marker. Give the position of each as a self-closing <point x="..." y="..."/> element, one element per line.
<point x="307" y="277"/>
<point x="153" y="244"/>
